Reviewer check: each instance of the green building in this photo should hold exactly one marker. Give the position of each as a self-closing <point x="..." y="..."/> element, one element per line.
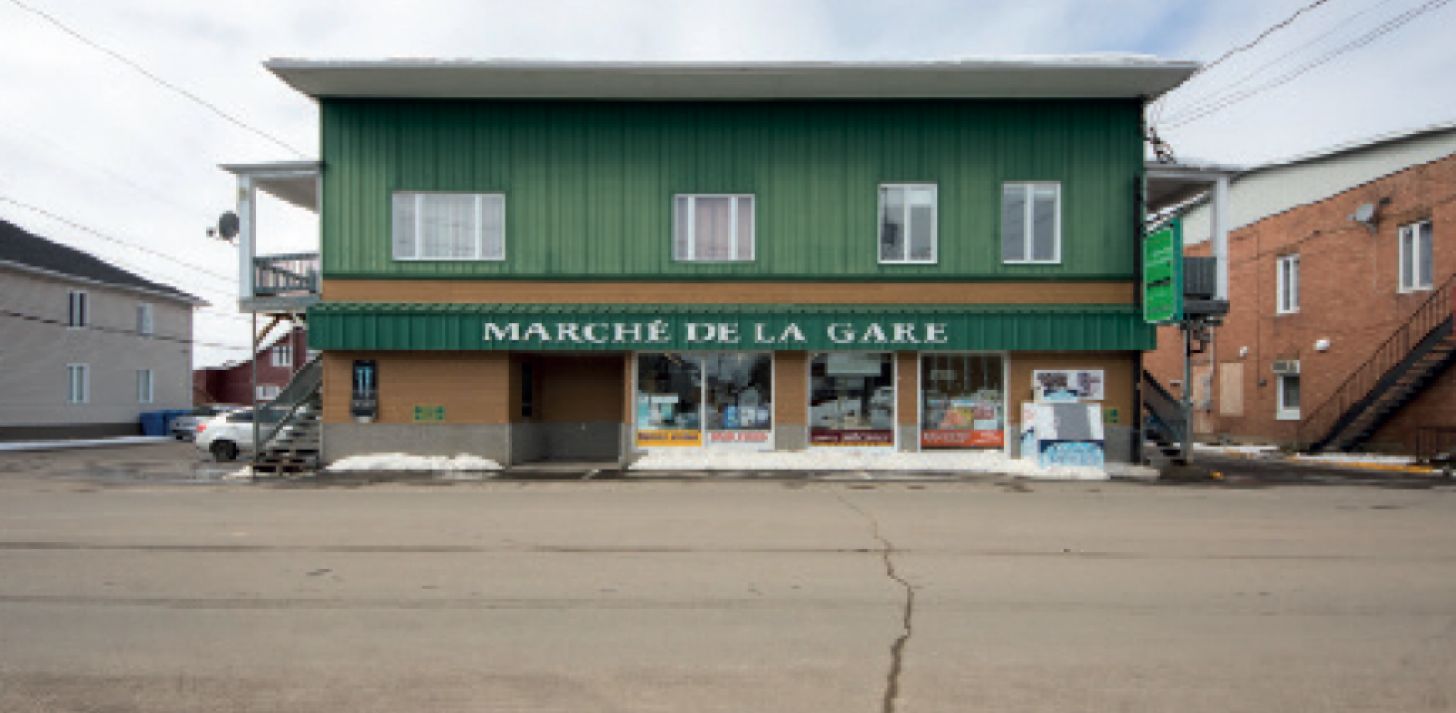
<point x="588" y="261"/>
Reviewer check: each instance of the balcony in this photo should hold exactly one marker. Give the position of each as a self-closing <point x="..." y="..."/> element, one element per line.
<point x="280" y="283"/>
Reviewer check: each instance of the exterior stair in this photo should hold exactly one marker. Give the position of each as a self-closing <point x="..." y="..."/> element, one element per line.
<point x="1164" y="424"/>
<point x="1418" y="352"/>
<point x="291" y="440"/>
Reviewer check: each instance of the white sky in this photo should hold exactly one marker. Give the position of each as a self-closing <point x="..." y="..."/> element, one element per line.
<point x="86" y="137"/>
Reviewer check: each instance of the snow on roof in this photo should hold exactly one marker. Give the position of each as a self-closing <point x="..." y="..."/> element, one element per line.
<point x="1053" y="76"/>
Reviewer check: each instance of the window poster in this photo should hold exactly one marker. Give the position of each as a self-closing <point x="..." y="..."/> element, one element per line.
<point x="1068" y="385"/>
<point x="962" y="401"/>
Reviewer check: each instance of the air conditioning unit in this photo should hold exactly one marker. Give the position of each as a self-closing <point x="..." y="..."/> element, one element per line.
<point x="1286" y="366"/>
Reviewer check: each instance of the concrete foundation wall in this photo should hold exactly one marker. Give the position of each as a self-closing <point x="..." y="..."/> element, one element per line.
<point x="341" y="440"/>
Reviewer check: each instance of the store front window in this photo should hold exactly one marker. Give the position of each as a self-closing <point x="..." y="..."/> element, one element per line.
<point x="669" y="400"/>
<point x="739" y="397"/>
<point x="852" y="399"/>
<point x="962" y="401"/>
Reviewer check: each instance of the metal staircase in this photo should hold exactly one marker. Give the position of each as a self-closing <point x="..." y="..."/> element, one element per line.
<point x="1165" y="424"/>
<point x="1401" y="367"/>
<point x="288" y="426"/>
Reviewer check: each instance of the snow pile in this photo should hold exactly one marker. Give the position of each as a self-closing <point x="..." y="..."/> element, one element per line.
<point x="1354" y="458"/>
<point x="82" y="443"/>
<point x="853" y="459"/>
<point x="1246" y="451"/>
<point x="401" y="462"/>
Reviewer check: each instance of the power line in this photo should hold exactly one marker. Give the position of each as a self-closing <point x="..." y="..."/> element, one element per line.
<point x="1286" y="22"/>
<point x="110" y="238"/>
<point x="156" y="78"/>
<point x="23" y="316"/>
<point x="1206" y="97"/>
<point x="1385" y="28"/>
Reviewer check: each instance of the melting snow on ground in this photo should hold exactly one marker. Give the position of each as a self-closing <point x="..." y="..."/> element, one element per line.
<point x="1237" y="450"/>
<point x="1355" y="458"/>
<point x="964" y="462"/>
<point x="400" y="462"/>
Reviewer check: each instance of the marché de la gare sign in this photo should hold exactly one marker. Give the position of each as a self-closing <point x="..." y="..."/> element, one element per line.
<point x="712" y="333"/>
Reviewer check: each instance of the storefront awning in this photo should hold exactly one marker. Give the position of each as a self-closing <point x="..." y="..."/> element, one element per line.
<point x="588" y="327"/>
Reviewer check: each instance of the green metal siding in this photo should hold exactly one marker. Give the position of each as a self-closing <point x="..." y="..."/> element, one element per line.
<point x="393" y="326"/>
<point x="588" y="184"/>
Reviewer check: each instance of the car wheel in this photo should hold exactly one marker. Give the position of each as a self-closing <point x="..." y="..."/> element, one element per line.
<point x="224" y="451"/>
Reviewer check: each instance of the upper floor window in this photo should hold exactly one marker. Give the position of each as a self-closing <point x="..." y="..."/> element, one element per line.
<point x="146" y="320"/>
<point x="712" y="227"/>
<point x="282" y="355"/>
<point x="907" y="222"/>
<point x="77" y="309"/>
<point x="1031" y="223"/>
<point x="1415" y="257"/>
<point x="449" y="226"/>
<point x="1286" y="291"/>
<point x="78" y="383"/>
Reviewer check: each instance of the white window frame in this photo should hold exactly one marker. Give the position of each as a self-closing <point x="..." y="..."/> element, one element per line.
<point x="266" y="392"/>
<point x="934" y="222"/>
<point x="82" y="395"/>
<point x="1028" y="221"/>
<point x="146" y="319"/>
<point x="692" y="241"/>
<point x="479" y="256"/>
<point x="286" y="350"/>
<point x="1410" y="259"/>
<point x="1286" y="279"/>
<point x="1281" y="411"/>
<point x="146" y="386"/>
<point x="78" y="309"/>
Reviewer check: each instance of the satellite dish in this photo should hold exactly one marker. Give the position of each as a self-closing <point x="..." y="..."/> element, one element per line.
<point x="1365" y="215"/>
<point x="228" y="225"/>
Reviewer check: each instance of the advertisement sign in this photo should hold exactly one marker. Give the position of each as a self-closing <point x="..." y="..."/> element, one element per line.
<point x="364" y="390"/>
<point x="1163" y="274"/>
<point x="851" y="437"/>
<point x="962" y="438"/>
<point x="669" y="437"/>
<point x="753" y="437"/>
<point x="1068" y="385"/>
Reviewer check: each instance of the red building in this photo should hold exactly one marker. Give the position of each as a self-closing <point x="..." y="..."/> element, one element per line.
<point x="232" y="383"/>
<point x="1339" y="335"/>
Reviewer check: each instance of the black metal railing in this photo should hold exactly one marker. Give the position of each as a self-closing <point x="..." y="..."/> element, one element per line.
<point x="1321" y="425"/>
<point x="288" y="274"/>
<point x="1167" y="411"/>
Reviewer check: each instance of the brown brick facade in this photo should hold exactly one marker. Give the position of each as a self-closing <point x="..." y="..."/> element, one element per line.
<point x="1348" y="294"/>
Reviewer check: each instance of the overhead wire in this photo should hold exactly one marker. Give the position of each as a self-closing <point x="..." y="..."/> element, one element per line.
<point x="154" y="77"/>
<point x="24" y="316"/>
<point x="1198" y="113"/>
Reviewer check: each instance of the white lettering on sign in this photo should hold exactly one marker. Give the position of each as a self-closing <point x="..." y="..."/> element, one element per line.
<point x="713" y="333"/>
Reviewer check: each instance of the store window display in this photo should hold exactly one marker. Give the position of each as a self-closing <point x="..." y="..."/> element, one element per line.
<point x="962" y="401"/>
<point x="852" y="399"/>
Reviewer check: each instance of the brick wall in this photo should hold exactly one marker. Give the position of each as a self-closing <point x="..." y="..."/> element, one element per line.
<point x="1348" y="295"/>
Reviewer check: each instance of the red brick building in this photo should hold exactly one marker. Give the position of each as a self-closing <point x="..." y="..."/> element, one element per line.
<point x="232" y="383"/>
<point x="1330" y="300"/>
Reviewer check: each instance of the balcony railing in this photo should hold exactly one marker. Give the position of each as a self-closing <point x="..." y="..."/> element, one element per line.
<point x="286" y="275"/>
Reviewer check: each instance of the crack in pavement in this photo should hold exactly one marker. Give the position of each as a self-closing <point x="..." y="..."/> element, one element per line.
<point x="907" y="624"/>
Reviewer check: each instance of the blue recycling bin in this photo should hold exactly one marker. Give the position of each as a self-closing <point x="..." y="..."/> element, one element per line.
<point x="154" y="423"/>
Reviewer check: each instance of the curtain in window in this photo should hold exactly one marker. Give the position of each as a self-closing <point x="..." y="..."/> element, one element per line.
<point x="712" y="226"/>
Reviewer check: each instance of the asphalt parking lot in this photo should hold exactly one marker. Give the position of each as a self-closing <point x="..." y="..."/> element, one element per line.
<point x="135" y="579"/>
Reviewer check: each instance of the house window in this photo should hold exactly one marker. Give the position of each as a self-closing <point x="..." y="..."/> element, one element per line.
<point x="1415" y="257"/>
<point x="282" y="355"/>
<point x="907" y="222"/>
<point x="146" y="320"/>
<point x="1288" y="407"/>
<point x="267" y="392"/>
<point x="449" y="226"/>
<point x="1287" y="287"/>
<point x="712" y="228"/>
<point x="77" y="309"/>
<point x="78" y="383"/>
<point x="1031" y="223"/>
<point x="145" y="386"/>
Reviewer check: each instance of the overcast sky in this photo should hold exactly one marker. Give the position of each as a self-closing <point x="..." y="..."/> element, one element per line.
<point x="90" y="139"/>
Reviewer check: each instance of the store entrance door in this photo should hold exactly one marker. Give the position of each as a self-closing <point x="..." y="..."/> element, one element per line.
<point x="575" y="409"/>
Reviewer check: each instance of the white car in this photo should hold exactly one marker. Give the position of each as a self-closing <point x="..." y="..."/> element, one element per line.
<point x="226" y="436"/>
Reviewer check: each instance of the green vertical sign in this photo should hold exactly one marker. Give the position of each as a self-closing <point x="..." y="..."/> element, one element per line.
<point x="1163" y="274"/>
